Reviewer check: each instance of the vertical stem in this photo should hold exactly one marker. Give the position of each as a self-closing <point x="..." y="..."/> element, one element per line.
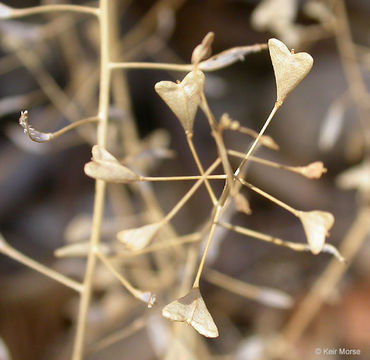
<point x="99" y="185"/>
<point x="219" y="142"/>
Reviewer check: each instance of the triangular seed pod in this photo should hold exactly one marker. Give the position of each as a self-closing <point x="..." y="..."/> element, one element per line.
<point x="183" y="98"/>
<point x="289" y="68"/>
<point x="104" y="166"/>
<point x="192" y="310"/>
<point x="138" y="238"/>
<point x="203" y="50"/>
<point x="316" y="225"/>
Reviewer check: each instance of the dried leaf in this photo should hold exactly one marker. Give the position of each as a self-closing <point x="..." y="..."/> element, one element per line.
<point x="277" y="17"/>
<point x="192" y="310"/>
<point x="318" y="11"/>
<point x="356" y="177"/>
<point x="139" y="238"/>
<point x="316" y="225"/>
<point x="242" y="204"/>
<point x="183" y="98"/>
<point x="203" y="50"/>
<point x="273" y="14"/>
<point x="332" y="124"/>
<point x="290" y="69"/>
<point x="104" y="166"/>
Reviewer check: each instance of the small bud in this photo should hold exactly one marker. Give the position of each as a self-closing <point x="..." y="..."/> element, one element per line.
<point x="104" y="166"/>
<point x="313" y="170"/>
<point x="138" y="238"/>
<point x="316" y="225"/>
<point x="290" y="69"/>
<point x="192" y="310"/>
<point x="33" y="134"/>
<point x="203" y="50"/>
<point x="183" y="98"/>
<point x="148" y="298"/>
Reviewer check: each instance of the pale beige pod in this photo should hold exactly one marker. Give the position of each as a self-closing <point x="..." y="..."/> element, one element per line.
<point x="289" y="68"/>
<point x="192" y="310"/>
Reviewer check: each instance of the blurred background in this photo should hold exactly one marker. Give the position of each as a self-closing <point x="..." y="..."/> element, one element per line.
<point x="49" y="65"/>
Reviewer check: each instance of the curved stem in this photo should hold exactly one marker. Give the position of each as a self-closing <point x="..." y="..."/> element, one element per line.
<point x="72" y="126"/>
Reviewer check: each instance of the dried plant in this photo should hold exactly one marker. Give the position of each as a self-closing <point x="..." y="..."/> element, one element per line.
<point x="141" y="233"/>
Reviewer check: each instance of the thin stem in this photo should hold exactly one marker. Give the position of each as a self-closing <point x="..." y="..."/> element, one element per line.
<point x="181" y="178"/>
<point x="270" y="197"/>
<point x="9" y="251"/>
<point x="210" y="64"/>
<point x="219" y="141"/>
<point x="295" y="169"/>
<point x="17" y="13"/>
<point x="135" y="292"/>
<point x="195" y="237"/>
<point x="41" y="137"/>
<point x="190" y="193"/>
<point x="328" y="248"/>
<point x="208" y="243"/>
<point x="256" y="140"/>
<point x="151" y="66"/>
<point x="100" y="184"/>
<point x="189" y="138"/>
<point x="117" y="336"/>
<point x="264" y="237"/>
<point x="267" y="296"/>
<point x="351" y="68"/>
<point x="72" y="126"/>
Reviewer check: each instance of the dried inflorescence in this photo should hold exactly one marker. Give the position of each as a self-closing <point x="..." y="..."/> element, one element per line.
<point x="184" y="98"/>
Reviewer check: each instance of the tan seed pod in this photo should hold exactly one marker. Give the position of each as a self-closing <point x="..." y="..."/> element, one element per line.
<point x="289" y="68"/>
<point x="138" y="238"/>
<point x="314" y="170"/>
<point x="203" y="50"/>
<point x="316" y="225"/>
<point x="192" y="310"/>
<point x="183" y="98"/>
<point x="104" y="166"/>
